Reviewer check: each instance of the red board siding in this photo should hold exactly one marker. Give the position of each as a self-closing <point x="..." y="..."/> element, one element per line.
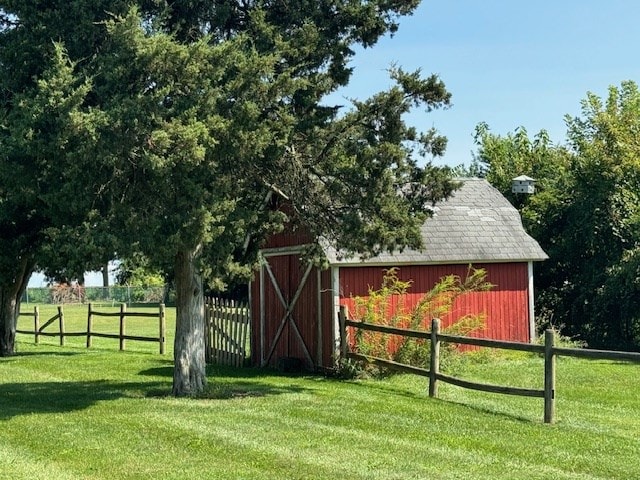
<point x="288" y="239"/>
<point x="506" y="305"/>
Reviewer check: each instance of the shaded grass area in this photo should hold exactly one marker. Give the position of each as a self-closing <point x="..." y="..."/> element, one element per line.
<point x="70" y="413"/>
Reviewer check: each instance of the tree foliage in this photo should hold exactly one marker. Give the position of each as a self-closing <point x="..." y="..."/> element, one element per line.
<point x="135" y="271"/>
<point x="585" y="213"/>
<point x="44" y="133"/>
<point x="202" y="109"/>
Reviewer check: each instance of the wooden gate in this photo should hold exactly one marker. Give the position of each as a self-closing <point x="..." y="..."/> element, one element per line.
<point x="226" y="331"/>
<point x="290" y="309"/>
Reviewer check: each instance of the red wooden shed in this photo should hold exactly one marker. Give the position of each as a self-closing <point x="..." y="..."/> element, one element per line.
<point x="295" y="305"/>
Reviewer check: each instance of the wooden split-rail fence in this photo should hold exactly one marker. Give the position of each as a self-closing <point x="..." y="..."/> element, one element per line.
<point x="435" y="338"/>
<point x="226" y="331"/>
<point x="90" y="332"/>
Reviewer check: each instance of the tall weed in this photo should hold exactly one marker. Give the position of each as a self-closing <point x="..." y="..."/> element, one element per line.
<point x="387" y="306"/>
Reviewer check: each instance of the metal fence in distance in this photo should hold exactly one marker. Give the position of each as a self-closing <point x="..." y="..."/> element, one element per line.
<point x="64" y="294"/>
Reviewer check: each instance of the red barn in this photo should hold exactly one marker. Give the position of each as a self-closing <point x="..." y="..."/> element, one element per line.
<point x="294" y="304"/>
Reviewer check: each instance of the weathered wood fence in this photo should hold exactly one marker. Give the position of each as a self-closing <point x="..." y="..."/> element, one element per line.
<point x="90" y="332"/>
<point x="226" y="331"/>
<point x="548" y="350"/>
<point x="39" y="330"/>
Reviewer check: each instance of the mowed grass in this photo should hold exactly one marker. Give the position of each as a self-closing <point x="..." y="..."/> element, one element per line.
<point x="72" y="413"/>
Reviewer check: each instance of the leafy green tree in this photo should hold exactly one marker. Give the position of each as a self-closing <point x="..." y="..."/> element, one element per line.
<point x="135" y="271"/>
<point x="605" y="216"/>
<point x="585" y="213"/>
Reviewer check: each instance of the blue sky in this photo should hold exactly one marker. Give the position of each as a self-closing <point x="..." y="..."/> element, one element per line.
<point x="507" y="63"/>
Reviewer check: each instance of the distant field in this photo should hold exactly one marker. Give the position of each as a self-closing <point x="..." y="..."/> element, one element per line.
<point x="72" y="413"/>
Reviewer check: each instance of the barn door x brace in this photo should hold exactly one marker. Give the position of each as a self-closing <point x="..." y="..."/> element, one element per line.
<point x="287" y="305"/>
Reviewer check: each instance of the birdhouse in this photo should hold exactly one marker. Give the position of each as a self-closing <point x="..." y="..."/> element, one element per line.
<point x="523" y="184"/>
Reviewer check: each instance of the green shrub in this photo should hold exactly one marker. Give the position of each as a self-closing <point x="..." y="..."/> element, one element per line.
<point x="563" y="341"/>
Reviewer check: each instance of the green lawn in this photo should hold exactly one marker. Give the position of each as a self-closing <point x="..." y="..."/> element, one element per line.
<point x="72" y="413"/>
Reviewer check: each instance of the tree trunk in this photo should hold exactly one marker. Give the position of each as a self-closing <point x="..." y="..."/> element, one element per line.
<point x="8" y="318"/>
<point x="10" y="295"/>
<point x="105" y="275"/>
<point x="189" y="375"/>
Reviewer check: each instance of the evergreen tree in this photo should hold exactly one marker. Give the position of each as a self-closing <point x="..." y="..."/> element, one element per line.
<point x="205" y="107"/>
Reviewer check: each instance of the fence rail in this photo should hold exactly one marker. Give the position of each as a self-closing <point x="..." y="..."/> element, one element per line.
<point x="227" y="327"/>
<point x="549" y="350"/>
<point x="90" y="333"/>
<point x="38" y="330"/>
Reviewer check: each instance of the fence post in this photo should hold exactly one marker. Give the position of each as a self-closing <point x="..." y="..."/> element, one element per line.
<point x="123" y="309"/>
<point x="342" y="318"/>
<point x="246" y="319"/>
<point x="224" y="325"/>
<point x="89" y="326"/>
<point x="162" y="327"/>
<point x="549" y="376"/>
<point x="236" y="334"/>
<point x="434" y="367"/>
<point x="36" y="324"/>
<point x="61" y="323"/>
<point x="216" y="323"/>
<point x="207" y="329"/>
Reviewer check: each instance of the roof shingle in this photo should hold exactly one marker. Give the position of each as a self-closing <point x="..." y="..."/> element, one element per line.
<point x="476" y="224"/>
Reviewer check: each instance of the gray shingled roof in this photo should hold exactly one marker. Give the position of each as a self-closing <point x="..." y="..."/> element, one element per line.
<point x="477" y="224"/>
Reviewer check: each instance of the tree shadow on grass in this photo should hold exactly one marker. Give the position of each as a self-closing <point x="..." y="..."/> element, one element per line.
<point x="18" y="399"/>
<point x="18" y="355"/>
<point x="215" y="371"/>
<point x="228" y="383"/>
<point x="63" y="397"/>
<point x="235" y="390"/>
